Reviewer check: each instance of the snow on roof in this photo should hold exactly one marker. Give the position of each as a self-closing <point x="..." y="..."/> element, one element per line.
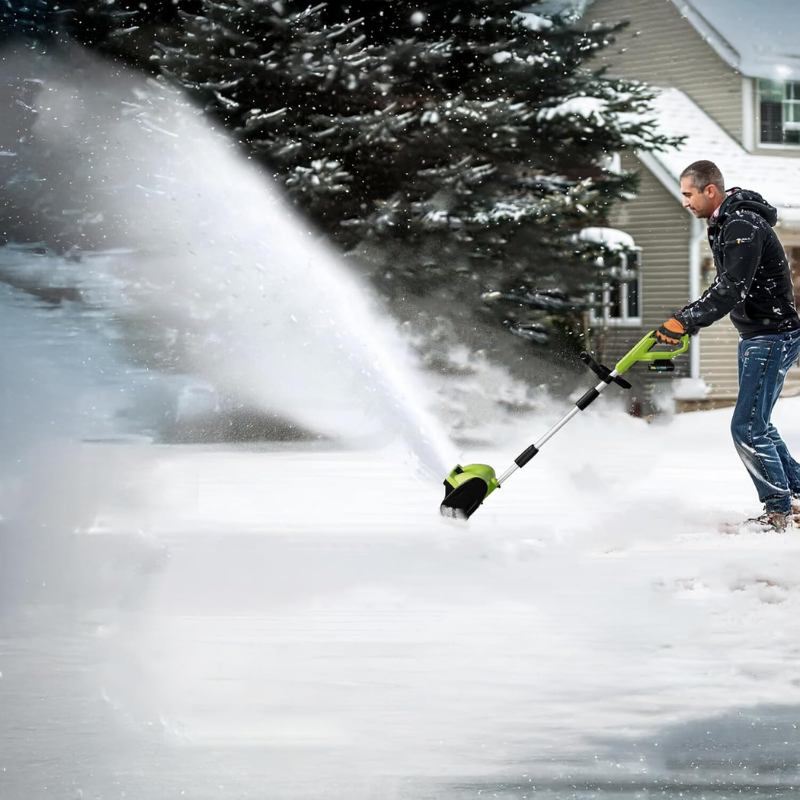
<point x="553" y="7"/>
<point x="777" y="177"/>
<point x="758" y="39"/>
<point x="612" y="238"/>
<point x="533" y="22"/>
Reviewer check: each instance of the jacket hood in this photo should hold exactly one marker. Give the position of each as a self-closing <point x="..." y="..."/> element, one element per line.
<point x="745" y="200"/>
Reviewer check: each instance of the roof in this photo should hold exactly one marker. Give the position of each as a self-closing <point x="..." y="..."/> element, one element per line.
<point x="776" y="177"/>
<point x="757" y="38"/>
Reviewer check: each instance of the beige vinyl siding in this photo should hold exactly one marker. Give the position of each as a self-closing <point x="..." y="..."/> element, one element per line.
<point x="719" y="352"/>
<point x="660" y="227"/>
<point x="718" y="360"/>
<point x="662" y="48"/>
<point x="719" y="363"/>
<point x="718" y="346"/>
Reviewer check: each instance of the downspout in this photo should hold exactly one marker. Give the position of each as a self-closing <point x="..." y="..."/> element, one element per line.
<point x="748" y="114"/>
<point x="697" y="234"/>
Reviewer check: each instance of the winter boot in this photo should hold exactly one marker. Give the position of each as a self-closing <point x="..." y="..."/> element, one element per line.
<point x="796" y="508"/>
<point x="769" y="522"/>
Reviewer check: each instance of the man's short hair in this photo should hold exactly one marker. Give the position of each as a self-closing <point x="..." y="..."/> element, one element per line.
<point x="704" y="173"/>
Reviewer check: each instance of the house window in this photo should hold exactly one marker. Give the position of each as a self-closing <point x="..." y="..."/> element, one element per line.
<point x="780" y="112"/>
<point x="619" y="302"/>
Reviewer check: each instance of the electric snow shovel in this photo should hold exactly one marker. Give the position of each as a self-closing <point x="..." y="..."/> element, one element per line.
<point x="465" y="488"/>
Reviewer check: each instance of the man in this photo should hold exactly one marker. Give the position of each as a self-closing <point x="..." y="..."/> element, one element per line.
<point x="754" y="286"/>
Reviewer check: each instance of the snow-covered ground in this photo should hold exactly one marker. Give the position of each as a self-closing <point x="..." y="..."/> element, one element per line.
<point x="297" y="621"/>
<point x="301" y="623"/>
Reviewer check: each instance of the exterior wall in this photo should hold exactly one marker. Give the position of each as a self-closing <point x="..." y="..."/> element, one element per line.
<point x="661" y="228"/>
<point x="719" y="345"/>
<point x="718" y="361"/>
<point x="663" y="48"/>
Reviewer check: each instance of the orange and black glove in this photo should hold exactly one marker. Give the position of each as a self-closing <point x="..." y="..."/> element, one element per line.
<point x="670" y="332"/>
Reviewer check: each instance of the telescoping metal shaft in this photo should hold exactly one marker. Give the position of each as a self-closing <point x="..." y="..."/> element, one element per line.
<point x="523" y="458"/>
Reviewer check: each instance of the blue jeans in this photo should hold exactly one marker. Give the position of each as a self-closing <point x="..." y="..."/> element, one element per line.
<point x="763" y="364"/>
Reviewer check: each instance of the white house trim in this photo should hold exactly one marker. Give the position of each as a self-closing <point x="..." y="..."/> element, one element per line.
<point x="748" y="114"/>
<point x="697" y="236"/>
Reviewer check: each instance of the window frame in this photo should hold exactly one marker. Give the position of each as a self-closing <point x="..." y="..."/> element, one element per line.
<point x="786" y="101"/>
<point x="624" y="320"/>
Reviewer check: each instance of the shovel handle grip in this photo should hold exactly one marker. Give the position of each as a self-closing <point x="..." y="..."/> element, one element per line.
<point x="643" y="351"/>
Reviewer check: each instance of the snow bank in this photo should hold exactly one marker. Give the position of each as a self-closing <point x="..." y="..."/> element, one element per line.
<point x="613" y="238"/>
<point x="533" y="22"/>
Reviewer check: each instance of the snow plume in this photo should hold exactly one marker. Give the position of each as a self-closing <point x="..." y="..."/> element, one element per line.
<point x="222" y="277"/>
<point x="61" y="390"/>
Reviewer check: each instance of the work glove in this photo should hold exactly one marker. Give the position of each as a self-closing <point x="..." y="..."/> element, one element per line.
<point x="670" y="332"/>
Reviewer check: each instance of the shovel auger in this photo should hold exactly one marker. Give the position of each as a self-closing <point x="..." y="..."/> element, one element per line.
<point x="465" y="488"/>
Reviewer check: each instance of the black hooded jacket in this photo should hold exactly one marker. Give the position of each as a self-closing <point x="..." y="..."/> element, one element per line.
<point x="754" y="281"/>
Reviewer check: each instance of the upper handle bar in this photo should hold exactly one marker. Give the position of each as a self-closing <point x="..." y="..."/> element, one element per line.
<point x="643" y="352"/>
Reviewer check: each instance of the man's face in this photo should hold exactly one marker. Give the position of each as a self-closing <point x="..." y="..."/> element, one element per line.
<point x="701" y="202"/>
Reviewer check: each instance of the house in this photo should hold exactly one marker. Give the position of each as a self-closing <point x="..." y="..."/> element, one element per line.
<point x="728" y="72"/>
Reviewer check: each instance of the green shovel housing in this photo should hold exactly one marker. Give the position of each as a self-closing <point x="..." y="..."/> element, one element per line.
<point x="465" y="488"/>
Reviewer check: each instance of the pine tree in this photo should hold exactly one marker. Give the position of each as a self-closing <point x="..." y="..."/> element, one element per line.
<point x="456" y="141"/>
<point x="121" y="29"/>
<point x="461" y="145"/>
<point x="34" y="18"/>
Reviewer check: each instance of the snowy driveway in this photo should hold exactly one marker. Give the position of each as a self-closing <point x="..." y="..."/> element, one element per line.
<point x="286" y="621"/>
